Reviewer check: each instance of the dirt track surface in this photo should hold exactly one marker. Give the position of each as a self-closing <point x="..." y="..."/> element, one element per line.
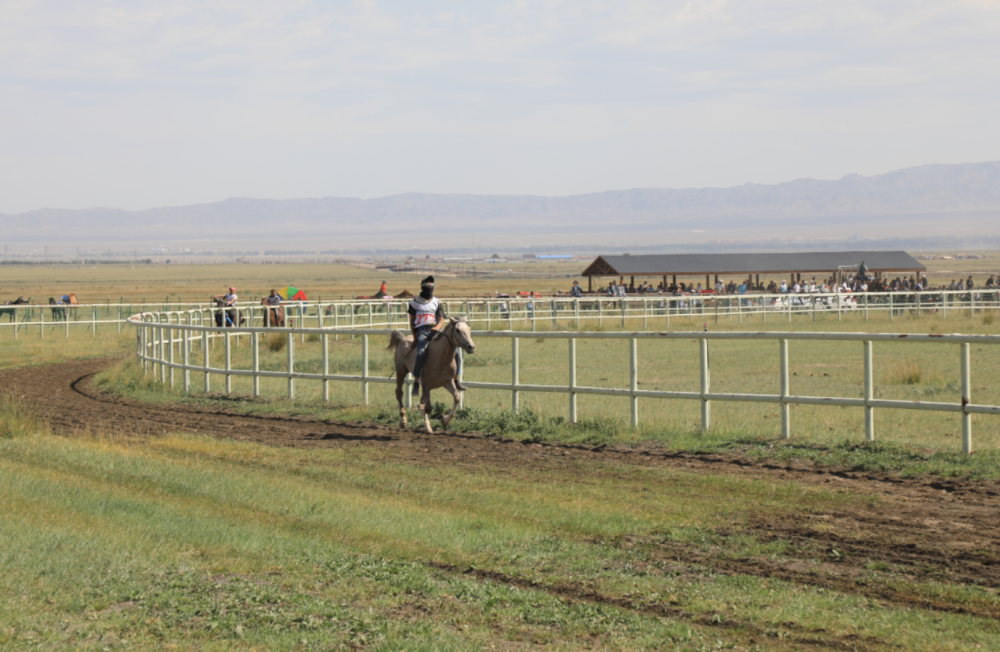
<point x="922" y="529"/>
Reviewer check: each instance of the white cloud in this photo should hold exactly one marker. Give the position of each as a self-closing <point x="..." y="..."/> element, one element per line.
<point x="139" y="103"/>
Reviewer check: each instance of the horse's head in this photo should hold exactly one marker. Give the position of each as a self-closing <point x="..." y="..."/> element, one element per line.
<point x="462" y="334"/>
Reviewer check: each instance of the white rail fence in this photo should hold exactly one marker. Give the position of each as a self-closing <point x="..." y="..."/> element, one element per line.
<point x="164" y="346"/>
<point x="652" y="310"/>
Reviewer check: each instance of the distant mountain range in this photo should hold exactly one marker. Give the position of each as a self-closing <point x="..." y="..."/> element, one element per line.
<point x="949" y="199"/>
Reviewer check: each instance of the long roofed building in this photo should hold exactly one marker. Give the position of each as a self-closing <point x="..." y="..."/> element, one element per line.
<point x="748" y="266"/>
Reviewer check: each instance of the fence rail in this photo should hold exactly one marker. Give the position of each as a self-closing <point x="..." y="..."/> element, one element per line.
<point x="492" y="313"/>
<point x="160" y="334"/>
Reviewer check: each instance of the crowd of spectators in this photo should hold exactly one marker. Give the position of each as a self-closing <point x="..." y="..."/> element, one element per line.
<point x="859" y="282"/>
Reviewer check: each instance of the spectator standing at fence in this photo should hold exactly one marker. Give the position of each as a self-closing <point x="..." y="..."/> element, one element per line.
<point x="969" y="284"/>
<point x="575" y="291"/>
<point x="991" y="282"/>
<point x="863" y="270"/>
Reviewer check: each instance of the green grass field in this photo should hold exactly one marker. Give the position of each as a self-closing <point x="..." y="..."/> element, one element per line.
<point x="188" y="543"/>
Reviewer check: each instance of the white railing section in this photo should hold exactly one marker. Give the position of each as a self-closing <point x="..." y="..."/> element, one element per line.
<point x="160" y="335"/>
<point x="493" y="313"/>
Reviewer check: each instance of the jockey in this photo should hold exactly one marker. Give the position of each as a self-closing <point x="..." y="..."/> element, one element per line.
<point x="273" y="299"/>
<point x="426" y="320"/>
<point x="229" y="299"/>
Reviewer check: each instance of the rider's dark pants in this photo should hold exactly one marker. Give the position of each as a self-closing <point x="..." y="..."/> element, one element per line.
<point x="424" y="336"/>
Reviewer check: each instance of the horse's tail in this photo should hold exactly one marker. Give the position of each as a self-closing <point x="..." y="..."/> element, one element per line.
<point x="395" y="338"/>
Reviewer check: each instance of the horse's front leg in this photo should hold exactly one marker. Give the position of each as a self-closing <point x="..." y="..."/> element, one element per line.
<point x="425" y="403"/>
<point x="455" y="394"/>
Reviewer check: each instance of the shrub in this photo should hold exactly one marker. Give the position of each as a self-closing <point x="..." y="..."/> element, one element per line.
<point x="276" y="341"/>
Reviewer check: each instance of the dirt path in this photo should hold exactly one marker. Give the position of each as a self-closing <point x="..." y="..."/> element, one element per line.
<point x="920" y="529"/>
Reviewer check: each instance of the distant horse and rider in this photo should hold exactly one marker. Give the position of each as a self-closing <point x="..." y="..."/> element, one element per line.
<point x="274" y="313"/>
<point x="227" y="315"/>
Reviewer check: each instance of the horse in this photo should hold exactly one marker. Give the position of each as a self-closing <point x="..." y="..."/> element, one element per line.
<point x="273" y="315"/>
<point x="228" y="318"/>
<point x="58" y="310"/>
<point x="12" y="312"/>
<point x="439" y="368"/>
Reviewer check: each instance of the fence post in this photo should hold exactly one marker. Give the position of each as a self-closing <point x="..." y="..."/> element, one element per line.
<point x="576" y="312"/>
<point x="326" y="368"/>
<point x="41" y="313"/>
<point x="645" y="313"/>
<point x="966" y="399"/>
<point x="364" y="363"/>
<point x="15" y="323"/>
<point x="706" y="406"/>
<point x="186" y="357"/>
<point x="119" y="322"/>
<point x="229" y="364"/>
<point x="291" y="363"/>
<point x="163" y="350"/>
<point x="461" y="378"/>
<point x="600" y="314"/>
<point x="255" y="345"/>
<point x="170" y="357"/>
<point x="624" y="304"/>
<point x="205" y="356"/>
<point x="514" y="368"/>
<point x="634" y="379"/>
<point x="95" y="321"/>
<point x="336" y="313"/>
<point x="892" y="309"/>
<point x="572" y="380"/>
<point x="786" y="432"/>
<point x="869" y="393"/>
<point x="489" y="323"/>
<point x="555" y="315"/>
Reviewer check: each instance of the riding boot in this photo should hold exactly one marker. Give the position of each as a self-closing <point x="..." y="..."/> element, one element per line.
<point x="416" y="387"/>
<point x="459" y="386"/>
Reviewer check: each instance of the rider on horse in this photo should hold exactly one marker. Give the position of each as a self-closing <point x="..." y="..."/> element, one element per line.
<point x="273" y="299"/>
<point x="228" y="301"/>
<point x="426" y="320"/>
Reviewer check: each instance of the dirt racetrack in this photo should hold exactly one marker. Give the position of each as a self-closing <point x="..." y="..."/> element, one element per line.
<point x="946" y="531"/>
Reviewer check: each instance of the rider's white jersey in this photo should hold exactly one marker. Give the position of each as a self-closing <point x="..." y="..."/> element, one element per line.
<point x="424" y="311"/>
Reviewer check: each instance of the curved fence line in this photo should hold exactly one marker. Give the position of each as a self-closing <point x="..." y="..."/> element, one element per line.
<point x="164" y="345"/>
<point x="492" y="313"/>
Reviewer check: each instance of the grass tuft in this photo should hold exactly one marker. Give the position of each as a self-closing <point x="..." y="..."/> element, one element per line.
<point x="16" y="420"/>
<point x="904" y="372"/>
<point x="276" y="342"/>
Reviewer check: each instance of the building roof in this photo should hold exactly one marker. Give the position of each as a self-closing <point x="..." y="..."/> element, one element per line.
<point x="732" y="264"/>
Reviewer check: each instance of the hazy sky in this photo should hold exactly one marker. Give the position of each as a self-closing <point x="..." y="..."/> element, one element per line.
<point x="137" y="104"/>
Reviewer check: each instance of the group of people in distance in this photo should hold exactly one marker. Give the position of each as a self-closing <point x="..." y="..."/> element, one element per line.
<point x="858" y="282"/>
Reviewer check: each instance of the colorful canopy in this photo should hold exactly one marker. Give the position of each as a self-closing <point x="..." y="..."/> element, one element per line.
<point x="289" y="293"/>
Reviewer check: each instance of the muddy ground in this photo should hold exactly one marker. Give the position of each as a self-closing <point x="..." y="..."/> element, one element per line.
<point x="920" y="529"/>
